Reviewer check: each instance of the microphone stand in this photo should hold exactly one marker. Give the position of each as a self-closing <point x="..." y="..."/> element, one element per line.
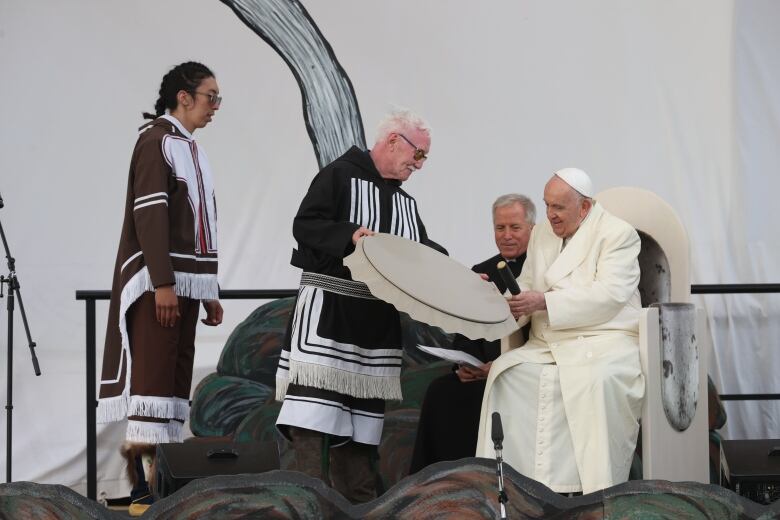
<point x="13" y="290"/>
<point x="498" y="438"/>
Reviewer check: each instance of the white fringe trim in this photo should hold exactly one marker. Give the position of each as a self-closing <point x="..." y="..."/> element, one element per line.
<point x="182" y="411"/>
<point x="196" y="286"/>
<point x="148" y="432"/>
<point x="133" y="289"/>
<point x="111" y="409"/>
<point x="175" y="431"/>
<point x="349" y="383"/>
<point x="159" y="407"/>
<point x="281" y="387"/>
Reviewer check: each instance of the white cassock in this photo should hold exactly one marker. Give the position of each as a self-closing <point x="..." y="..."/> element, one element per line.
<point x="571" y="398"/>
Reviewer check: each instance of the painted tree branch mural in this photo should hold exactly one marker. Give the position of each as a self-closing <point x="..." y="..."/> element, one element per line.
<point x="330" y="107"/>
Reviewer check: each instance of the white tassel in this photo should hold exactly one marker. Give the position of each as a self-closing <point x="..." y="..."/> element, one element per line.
<point x="197" y="286"/>
<point x="348" y="383"/>
<point x="175" y="431"/>
<point x="147" y="432"/>
<point x="281" y="387"/>
<point x="181" y="409"/>
<point x="159" y="407"/>
<point x="111" y="409"/>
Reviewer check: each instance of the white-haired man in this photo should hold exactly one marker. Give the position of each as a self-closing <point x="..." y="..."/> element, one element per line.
<point x="570" y="399"/>
<point x="341" y="358"/>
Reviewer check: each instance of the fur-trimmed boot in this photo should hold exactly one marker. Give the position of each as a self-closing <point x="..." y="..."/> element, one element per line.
<point x="140" y="460"/>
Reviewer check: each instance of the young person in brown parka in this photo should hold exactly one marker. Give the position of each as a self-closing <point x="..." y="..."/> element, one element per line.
<point x="165" y="267"/>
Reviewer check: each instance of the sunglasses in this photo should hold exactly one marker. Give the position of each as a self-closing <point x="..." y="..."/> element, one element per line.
<point x="214" y="100"/>
<point x="419" y="153"/>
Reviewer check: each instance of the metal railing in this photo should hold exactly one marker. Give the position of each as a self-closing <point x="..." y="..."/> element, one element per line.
<point x="747" y="288"/>
<point x="90" y="297"/>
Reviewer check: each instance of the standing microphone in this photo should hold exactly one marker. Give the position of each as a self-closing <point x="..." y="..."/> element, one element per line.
<point x="1" y="201"/>
<point x="497" y="434"/>
<point x="511" y="283"/>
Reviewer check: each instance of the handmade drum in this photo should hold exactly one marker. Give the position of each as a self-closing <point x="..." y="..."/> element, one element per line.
<point x="430" y="287"/>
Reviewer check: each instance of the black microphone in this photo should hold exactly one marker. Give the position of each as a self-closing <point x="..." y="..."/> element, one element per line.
<point x="509" y="279"/>
<point x="497" y="433"/>
<point x="1" y="201"/>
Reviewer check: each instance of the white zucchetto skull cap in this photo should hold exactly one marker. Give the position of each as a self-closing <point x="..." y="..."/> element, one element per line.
<point x="577" y="179"/>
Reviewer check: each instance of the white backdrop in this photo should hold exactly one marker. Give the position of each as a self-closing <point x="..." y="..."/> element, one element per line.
<point x="680" y="98"/>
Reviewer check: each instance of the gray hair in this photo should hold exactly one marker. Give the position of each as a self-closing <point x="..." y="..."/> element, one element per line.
<point x="401" y="120"/>
<point x="516" y="198"/>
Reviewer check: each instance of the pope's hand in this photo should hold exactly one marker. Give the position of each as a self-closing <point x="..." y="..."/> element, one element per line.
<point x="526" y="303"/>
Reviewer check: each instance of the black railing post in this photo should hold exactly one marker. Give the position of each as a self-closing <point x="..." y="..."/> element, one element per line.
<point x="91" y="404"/>
<point x="749" y="397"/>
<point x="736" y="288"/>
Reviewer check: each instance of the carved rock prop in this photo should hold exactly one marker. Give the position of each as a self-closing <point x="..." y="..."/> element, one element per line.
<point x="457" y="489"/>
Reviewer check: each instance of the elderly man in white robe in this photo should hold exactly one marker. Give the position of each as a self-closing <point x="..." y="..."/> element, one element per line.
<point x="570" y="399"/>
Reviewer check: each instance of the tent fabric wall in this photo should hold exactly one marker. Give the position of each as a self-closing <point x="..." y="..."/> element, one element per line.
<point x="746" y="327"/>
<point x="679" y="98"/>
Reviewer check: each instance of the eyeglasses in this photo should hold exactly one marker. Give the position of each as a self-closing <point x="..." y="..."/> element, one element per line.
<point x="419" y="153"/>
<point x="214" y="100"/>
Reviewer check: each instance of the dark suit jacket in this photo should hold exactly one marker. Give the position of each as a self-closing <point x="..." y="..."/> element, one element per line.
<point x="481" y="349"/>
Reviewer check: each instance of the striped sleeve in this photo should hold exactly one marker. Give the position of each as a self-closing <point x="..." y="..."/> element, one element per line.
<point x="149" y="200"/>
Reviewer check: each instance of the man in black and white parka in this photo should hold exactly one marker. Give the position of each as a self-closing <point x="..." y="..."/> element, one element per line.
<point x="341" y="357"/>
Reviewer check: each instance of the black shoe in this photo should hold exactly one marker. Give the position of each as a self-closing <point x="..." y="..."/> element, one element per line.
<point x="140" y="497"/>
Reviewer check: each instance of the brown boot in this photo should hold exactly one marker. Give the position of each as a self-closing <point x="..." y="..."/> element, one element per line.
<point x="353" y="471"/>
<point x="304" y="453"/>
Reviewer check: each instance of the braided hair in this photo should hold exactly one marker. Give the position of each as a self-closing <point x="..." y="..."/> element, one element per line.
<point x="185" y="76"/>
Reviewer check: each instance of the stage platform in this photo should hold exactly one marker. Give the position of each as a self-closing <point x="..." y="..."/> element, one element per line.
<point x="467" y="487"/>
